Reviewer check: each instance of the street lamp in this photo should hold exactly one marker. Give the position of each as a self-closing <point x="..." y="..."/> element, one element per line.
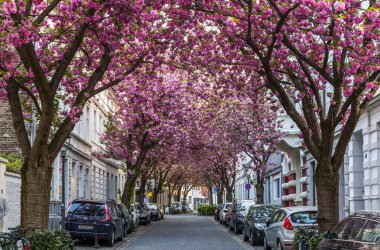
<point x="63" y="205"/>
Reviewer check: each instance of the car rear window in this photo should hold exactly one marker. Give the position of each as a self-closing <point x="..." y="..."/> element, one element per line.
<point x="304" y="217"/>
<point x="261" y="213"/>
<point x="244" y="206"/>
<point x="153" y="207"/>
<point x="82" y="208"/>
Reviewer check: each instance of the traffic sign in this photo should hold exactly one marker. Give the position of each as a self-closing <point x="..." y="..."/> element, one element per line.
<point x="248" y="186"/>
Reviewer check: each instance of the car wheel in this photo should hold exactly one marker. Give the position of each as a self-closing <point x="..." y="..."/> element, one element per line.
<point x="266" y="247"/>
<point x="121" y="238"/>
<point x="230" y="227"/>
<point x="245" y="237"/>
<point x="111" y="240"/>
<point x="279" y="245"/>
<point x="253" y="240"/>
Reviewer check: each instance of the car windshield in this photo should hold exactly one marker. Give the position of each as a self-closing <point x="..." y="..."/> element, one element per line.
<point x="88" y="209"/>
<point x="305" y="217"/>
<point x="227" y="206"/>
<point x="261" y="213"/>
<point x="244" y="206"/>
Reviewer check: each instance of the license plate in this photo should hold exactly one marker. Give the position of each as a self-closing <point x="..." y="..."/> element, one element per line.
<point x="85" y="227"/>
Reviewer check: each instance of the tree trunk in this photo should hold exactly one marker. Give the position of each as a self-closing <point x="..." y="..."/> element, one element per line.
<point x="144" y="180"/>
<point x="129" y="189"/>
<point x="155" y="196"/>
<point x="219" y="194"/>
<point x="259" y="192"/>
<point x="178" y="196"/>
<point x="210" y="201"/>
<point x="327" y="185"/>
<point x="35" y="192"/>
<point x="229" y="195"/>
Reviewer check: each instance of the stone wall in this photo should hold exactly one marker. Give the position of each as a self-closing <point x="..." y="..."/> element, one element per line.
<point x="8" y="140"/>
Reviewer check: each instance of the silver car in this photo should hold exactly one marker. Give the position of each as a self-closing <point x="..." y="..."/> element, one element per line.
<point x="222" y="214"/>
<point x="279" y="233"/>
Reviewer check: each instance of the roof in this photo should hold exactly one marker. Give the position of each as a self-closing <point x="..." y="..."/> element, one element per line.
<point x="89" y="200"/>
<point x="373" y="214"/>
<point x="300" y="209"/>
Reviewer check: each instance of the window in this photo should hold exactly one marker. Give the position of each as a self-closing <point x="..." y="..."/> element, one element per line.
<point x="371" y="232"/>
<point x="278" y="216"/>
<point x="354" y="230"/>
<point x="307" y="217"/>
<point x="339" y="229"/>
<point x="282" y="216"/>
<point x="277" y="188"/>
<point x="275" y="216"/>
<point x="87" y="209"/>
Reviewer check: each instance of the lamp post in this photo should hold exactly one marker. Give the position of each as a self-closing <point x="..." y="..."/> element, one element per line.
<point x="63" y="205"/>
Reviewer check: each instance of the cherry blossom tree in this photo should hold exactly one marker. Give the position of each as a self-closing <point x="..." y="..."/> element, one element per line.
<point x="146" y="125"/>
<point x="320" y="59"/>
<point x="68" y="51"/>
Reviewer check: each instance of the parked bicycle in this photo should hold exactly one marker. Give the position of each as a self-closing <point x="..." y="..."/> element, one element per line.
<point x="304" y="239"/>
<point x="14" y="240"/>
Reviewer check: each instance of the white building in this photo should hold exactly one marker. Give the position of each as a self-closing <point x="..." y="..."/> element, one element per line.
<point x="86" y="175"/>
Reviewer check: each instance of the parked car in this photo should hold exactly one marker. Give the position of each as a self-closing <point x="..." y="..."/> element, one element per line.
<point x="127" y="219"/>
<point x="222" y="214"/>
<point x="219" y="208"/>
<point x="279" y="233"/>
<point x="134" y="210"/>
<point x="154" y="212"/>
<point x="227" y="217"/>
<point x="185" y="208"/>
<point x="144" y="214"/>
<point x="83" y="215"/>
<point x="360" y="230"/>
<point x="254" y="222"/>
<point x="160" y="210"/>
<point x="239" y="209"/>
<point x="176" y="208"/>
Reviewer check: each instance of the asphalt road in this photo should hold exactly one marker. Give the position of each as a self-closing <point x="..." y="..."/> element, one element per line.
<point x="186" y="232"/>
<point x="179" y="232"/>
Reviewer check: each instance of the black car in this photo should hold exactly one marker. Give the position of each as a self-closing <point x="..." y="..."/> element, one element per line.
<point x="144" y="214"/>
<point x="154" y="212"/>
<point x="219" y="208"/>
<point x="127" y="219"/>
<point x="254" y="222"/>
<point x="84" y="215"/>
<point x="360" y="230"/>
<point x="238" y="210"/>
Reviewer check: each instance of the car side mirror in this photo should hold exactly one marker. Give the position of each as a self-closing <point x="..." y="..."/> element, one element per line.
<point x="328" y="235"/>
<point x="268" y="221"/>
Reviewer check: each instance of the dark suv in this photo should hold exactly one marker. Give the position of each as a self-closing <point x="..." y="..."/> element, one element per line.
<point x="360" y="230"/>
<point x="84" y="215"/>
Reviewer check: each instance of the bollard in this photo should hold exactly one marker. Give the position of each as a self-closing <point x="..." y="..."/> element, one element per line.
<point x="96" y="236"/>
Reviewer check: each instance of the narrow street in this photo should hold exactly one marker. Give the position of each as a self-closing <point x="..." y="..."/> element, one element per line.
<point x="186" y="232"/>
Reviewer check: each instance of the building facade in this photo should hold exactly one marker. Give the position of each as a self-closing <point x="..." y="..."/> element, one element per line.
<point x="88" y="176"/>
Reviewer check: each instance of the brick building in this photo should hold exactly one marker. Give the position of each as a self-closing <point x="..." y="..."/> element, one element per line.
<point x="8" y="140"/>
